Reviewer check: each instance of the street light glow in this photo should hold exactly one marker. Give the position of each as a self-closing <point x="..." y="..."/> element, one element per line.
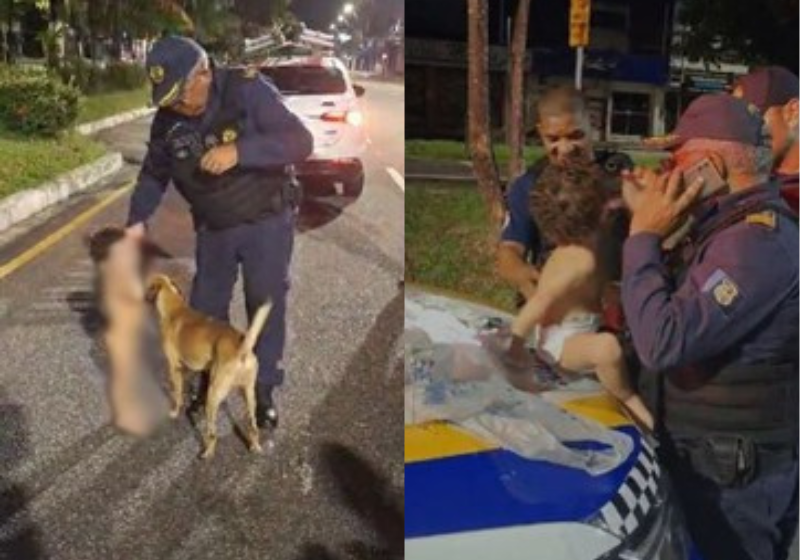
<point x="348" y="8"/>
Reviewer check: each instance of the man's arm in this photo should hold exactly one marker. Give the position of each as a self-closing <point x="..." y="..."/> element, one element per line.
<point x="512" y="267"/>
<point x="564" y="272"/>
<point x="152" y="181"/>
<point x="280" y="136"/>
<point x="515" y="240"/>
<point x="744" y="276"/>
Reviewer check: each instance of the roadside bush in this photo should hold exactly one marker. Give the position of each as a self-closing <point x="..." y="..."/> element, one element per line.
<point x="125" y="76"/>
<point x="37" y="104"/>
<point x="91" y="78"/>
<point x="84" y="75"/>
<point x="10" y="71"/>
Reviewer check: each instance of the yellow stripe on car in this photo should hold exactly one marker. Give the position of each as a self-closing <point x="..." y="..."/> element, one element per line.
<point x="437" y="440"/>
<point x="600" y="408"/>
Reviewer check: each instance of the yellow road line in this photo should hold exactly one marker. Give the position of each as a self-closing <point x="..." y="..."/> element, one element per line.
<point x="52" y="239"/>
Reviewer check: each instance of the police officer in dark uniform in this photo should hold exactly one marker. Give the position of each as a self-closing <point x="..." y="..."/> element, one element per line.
<point x="565" y="132"/>
<point x="225" y="139"/>
<point x="774" y="90"/>
<point x="717" y="333"/>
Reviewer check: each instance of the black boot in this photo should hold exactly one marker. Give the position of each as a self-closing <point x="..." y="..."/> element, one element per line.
<point x="266" y="412"/>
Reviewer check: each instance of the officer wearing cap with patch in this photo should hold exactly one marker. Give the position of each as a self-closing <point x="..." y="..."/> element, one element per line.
<point x="715" y="325"/>
<point x="227" y="142"/>
<point x="774" y="90"/>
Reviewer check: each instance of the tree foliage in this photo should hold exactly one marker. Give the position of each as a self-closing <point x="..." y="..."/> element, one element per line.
<point x="751" y="32"/>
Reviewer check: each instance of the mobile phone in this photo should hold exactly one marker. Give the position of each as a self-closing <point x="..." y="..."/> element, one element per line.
<point x="712" y="184"/>
<point x="712" y="180"/>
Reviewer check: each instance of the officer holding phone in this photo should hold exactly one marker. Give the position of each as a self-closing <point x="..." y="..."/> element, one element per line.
<point x="717" y="332"/>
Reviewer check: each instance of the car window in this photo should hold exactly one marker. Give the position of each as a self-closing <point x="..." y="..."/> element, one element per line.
<point x="306" y="80"/>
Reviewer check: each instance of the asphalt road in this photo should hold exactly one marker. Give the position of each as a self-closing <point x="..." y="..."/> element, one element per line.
<point x="330" y="485"/>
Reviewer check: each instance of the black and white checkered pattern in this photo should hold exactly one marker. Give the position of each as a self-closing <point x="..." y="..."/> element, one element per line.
<point x="636" y="496"/>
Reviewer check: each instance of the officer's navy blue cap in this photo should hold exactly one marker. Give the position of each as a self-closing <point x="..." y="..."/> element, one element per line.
<point x="169" y="63"/>
<point x="716" y="117"/>
<point x="768" y="87"/>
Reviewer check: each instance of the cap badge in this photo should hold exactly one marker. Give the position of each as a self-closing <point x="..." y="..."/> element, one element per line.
<point x="156" y="74"/>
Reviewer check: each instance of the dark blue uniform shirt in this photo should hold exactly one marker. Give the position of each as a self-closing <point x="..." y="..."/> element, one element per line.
<point x="271" y="136"/>
<point x="519" y="226"/>
<point x="739" y="295"/>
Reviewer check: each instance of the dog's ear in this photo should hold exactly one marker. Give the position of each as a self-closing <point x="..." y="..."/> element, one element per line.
<point x="153" y="286"/>
<point x="175" y="286"/>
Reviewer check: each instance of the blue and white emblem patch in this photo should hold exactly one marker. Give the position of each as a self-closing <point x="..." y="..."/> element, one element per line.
<point x="722" y="288"/>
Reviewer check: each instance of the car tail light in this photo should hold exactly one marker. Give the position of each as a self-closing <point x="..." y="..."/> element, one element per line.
<point x="354" y="118"/>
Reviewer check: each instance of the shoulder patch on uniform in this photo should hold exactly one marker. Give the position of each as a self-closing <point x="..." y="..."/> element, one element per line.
<point x="765" y="218"/>
<point x="722" y="288"/>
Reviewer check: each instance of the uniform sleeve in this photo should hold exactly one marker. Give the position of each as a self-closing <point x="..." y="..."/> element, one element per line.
<point x="722" y="299"/>
<point x="279" y="137"/>
<point x="518" y="227"/>
<point x="153" y="177"/>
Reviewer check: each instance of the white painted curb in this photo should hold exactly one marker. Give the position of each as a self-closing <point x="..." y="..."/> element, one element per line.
<point x="114" y="120"/>
<point x="24" y="204"/>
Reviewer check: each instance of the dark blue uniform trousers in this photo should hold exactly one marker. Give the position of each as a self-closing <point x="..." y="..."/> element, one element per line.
<point x="757" y="521"/>
<point x="264" y="251"/>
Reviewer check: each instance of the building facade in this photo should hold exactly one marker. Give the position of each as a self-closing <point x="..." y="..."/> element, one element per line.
<point x="626" y="71"/>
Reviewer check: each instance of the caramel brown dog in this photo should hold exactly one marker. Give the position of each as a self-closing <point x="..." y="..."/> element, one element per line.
<point x="195" y="342"/>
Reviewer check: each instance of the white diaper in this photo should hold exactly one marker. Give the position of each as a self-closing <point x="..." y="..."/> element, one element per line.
<point x="550" y="340"/>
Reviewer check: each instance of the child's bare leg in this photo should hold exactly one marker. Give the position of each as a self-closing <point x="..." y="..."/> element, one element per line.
<point x="601" y="353"/>
<point x="128" y="415"/>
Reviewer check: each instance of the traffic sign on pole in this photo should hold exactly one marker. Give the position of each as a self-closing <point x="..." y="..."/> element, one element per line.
<point x="579" y="13"/>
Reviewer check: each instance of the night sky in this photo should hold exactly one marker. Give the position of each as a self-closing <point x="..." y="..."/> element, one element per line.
<point x="319" y="14"/>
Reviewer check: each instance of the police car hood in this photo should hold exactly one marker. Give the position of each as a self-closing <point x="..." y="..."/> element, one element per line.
<point x="450" y="376"/>
<point x="480" y="454"/>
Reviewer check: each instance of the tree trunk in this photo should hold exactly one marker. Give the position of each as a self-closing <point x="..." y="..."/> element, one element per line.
<point x="480" y="142"/>
<point x="516" y="123"/>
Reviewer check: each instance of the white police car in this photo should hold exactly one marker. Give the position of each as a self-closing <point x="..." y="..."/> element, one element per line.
<point x="469" y="498"/>
<point x="319" y="90"/>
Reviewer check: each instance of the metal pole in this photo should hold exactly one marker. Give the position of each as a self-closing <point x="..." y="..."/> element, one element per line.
<point x="579" y="69"/>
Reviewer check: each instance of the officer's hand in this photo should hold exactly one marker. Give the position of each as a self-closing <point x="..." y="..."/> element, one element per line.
<point x="136" y="231"/>
<point x="661" y="202"/>
<point x="632" y="187"/>
<point x="220" y="159"/>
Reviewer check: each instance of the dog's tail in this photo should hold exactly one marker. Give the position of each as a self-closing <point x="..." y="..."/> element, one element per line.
<point x="259" y="320"/>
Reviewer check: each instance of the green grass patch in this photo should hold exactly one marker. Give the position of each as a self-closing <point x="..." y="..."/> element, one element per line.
<point x="450" y="245"/>
<point x="100" y="106"/>
<point x="28" y="162"/>
<point x="452" y="150"/>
